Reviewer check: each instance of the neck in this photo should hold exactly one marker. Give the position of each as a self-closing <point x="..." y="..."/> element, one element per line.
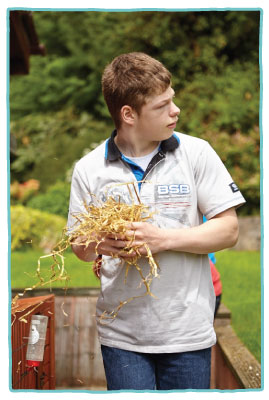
<point x="133" y="146"/>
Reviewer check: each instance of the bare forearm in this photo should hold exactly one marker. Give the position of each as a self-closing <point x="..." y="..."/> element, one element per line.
<point x="214" y="235"/>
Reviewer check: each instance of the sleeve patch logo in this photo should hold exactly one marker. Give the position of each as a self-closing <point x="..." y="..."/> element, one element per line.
<point x="234" y="187"/>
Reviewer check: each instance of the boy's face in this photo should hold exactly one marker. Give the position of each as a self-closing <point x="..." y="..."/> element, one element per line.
<point x="158" y="117"/>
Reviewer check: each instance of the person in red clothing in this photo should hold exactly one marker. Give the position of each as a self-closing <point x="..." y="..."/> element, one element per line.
<point x="96" y="266"/>
<point x="217" y="285"/>
<point x="215" y="278"/>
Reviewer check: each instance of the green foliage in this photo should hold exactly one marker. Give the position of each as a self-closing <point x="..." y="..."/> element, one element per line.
<point x="49" y="143"/>
<point x="227" y="102"/>
<point x="80" y="44"/>
<point x="241" y="283"/>
<point x="54" y="201"/>
<point x="22" y="192"/>
<point x="240" y="154"/>
<point x="34" y="228"/>
<point x="224" y="110"/>
<point x="57" y="109"/>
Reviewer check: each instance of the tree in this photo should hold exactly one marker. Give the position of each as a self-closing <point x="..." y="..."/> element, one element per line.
<point x="214" y="60"/>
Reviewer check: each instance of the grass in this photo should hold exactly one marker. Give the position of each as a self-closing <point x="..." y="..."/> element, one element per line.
<point x="240" y="275"/>
<point x="241" y="281"/>
<point x="24" y="265"/>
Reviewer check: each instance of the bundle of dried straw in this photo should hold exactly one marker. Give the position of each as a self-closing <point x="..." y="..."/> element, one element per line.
<point x="107" y="218"/>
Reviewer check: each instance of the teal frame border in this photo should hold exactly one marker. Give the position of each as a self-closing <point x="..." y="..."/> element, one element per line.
<point x="261" y="195"/>
<point x="8" y="210"/>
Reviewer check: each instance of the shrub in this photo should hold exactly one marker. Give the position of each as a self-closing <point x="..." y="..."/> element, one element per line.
<point x="48" y="144"/>
<point x="223" y="102"/>
<point x="54" y="201"/>
<point x="22" y="192"/>
<point x="34" y="229"/>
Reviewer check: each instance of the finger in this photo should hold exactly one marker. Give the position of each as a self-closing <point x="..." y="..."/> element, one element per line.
<point x="126" y="240"/>
<point x="133" y="225"/>
<point x="116" y="236"/>
<point x="109" y="251"/>
<point x="137" y="249"/>
<point x="130" y="234"/>
<point x="115" y="244"/>
<point x="120" y="244"/>
<point x="129" y="254"/>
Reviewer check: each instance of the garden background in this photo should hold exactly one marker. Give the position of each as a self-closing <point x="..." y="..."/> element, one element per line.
<point x="57" y="114"/>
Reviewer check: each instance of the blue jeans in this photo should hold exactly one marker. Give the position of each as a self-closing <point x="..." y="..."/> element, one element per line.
<point x="162" y="371"/>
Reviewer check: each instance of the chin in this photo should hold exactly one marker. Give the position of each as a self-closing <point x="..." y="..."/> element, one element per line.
<point x="168" y="134"/>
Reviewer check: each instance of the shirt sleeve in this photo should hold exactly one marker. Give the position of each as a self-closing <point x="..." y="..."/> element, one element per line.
<point x="216" y="190"/>
<point x="79" y="197"/>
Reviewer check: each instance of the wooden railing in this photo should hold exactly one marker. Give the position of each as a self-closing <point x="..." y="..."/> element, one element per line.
<point x="233" y="366"/>
<point x="78" y="357"/>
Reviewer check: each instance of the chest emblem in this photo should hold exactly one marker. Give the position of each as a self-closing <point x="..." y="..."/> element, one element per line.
<point x="173" y="190"/>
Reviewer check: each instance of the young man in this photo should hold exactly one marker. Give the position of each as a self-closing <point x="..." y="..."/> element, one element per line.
<point x="162" y="343"/>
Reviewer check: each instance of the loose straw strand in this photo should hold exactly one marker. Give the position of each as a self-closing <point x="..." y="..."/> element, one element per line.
<point x="107" y="218"/>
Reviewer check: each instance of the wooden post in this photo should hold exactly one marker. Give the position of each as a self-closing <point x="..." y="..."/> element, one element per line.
<point x="42" y="377"/>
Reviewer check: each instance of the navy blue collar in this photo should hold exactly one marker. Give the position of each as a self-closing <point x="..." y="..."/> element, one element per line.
<point x="113" y="153"/>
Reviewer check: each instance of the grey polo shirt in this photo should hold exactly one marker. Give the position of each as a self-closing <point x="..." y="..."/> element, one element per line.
<point x="184" y="181"/>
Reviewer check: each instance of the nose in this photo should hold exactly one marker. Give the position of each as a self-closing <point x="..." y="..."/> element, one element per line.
<point x="174" y="110"/>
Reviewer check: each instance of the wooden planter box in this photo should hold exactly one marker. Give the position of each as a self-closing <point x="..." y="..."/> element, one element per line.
<point x="42" y="377"/>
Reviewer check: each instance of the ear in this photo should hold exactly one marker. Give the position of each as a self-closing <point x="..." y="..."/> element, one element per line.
<point x="127" y="115"/>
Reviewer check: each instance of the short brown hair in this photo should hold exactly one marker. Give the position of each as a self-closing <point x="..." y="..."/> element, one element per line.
<point x="130" y="79"/>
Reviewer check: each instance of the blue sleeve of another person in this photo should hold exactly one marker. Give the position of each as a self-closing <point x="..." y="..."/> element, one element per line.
<point x="210" y="255"/>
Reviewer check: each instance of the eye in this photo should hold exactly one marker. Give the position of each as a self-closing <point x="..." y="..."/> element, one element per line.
<point x="163" y="105"/>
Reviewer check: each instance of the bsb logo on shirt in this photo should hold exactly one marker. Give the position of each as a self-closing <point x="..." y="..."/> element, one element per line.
<point x="173" y="189"/>
<point x="173" y="201"/>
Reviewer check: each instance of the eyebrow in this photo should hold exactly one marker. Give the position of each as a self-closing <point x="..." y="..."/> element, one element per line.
<point x="164" y="101"/>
